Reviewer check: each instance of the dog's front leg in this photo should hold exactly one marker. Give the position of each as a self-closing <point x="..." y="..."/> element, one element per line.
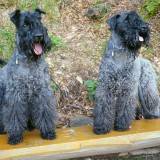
<point x="103" y="111"/>
<point x="2" y="130"/>
<point x="125" y="111"/>
<point x="15" y="115"/>
<point x="2" y="90"/>
<point x="44" y="113"/>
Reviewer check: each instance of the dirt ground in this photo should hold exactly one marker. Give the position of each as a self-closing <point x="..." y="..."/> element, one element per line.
<point x="84" y="41"/>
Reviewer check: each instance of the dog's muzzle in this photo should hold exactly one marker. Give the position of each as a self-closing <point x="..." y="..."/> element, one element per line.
<point x="144" y="29"/>
<point x="38" y="49"/>
<point x="39" y="37"/>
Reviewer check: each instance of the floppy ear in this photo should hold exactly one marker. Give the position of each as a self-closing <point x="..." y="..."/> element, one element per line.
<point x="15" y="16"/>
<point x="112" y="21"/>
<point x="39" y="11"/>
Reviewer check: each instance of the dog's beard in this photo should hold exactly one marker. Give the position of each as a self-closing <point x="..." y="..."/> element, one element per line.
<point x="133" y="40"/>
<point x="33" y="48"/>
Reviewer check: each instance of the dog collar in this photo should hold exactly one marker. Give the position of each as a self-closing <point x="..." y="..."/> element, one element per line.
<point x="20" y="57"/>
<point x="114" y="49"/>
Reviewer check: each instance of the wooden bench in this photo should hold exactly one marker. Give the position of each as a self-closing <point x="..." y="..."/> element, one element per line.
<point x="81" y="141"/>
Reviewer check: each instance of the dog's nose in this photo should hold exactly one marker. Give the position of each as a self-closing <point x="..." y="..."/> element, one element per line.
<point x="39" y="36"/>
<point x="144" y="28"/>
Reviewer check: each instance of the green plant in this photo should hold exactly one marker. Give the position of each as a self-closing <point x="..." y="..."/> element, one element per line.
<point x="57" y="42"/>
<point x="54" y="88"/>
<point x="91" y="87"/>
<point x="151" y="7"/>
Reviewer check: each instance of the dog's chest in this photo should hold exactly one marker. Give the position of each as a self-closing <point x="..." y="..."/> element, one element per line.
<point x="120" y="76"/>
<point x="30" y="78"/>
<point x="30" y="74"/>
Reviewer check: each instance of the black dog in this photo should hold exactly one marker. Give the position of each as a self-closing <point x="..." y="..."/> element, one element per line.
<point x="125" y="80"/>
<point x="25" y="91"/>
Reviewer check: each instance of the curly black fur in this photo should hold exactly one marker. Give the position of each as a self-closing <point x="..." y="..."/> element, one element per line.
<point x="122" y="72"/>
<point x="29" y="31"/>
<point x="25" y="92"/>
<point x="130" y="26"/>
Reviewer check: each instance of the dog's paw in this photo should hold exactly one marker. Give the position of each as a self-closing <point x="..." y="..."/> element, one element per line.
<point x="13" y="140"/>
<point x="101" y="130"/>
<point x="119" y="127"/>
<point x="48" y="135"/>
<point x="2" y="130"/>
<point x="122" y="124"/>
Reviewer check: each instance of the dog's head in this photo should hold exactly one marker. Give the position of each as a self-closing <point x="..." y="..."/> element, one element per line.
<point x="31" y="36"/>
<point x="133" y="31"/>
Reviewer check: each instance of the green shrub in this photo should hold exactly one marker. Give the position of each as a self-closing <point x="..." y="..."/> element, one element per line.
<point x="151" y="7"/>
<point x="91" y="87"/>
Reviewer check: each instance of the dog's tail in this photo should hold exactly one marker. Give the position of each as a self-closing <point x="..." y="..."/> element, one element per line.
<point x="3" y="62"/>
<point x="146" y="113"/>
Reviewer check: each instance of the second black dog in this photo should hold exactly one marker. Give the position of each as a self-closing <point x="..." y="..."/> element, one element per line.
<point x="125" y="79"/>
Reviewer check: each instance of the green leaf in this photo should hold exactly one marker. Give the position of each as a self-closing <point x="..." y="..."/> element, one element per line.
<point x="93" y="92"/>
<point x="90" y="97"/>
<point x="91" y="87"/>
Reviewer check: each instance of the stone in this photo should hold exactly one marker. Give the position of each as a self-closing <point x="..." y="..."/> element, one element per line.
<point x="80" y="121"/>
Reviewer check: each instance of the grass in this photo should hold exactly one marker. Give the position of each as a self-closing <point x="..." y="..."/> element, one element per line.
<point x="149" y="52"/>
<point x="57" y="42"/>
<point x="6" y="41"/>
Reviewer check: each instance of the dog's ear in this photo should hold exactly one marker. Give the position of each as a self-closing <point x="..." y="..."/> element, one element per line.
<point x="112" y="21"/>
<point x="15" y="16"/>
<point x="40" y="11"/>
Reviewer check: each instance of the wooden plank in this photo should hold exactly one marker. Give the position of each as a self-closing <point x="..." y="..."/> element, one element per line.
<point x="81" y="141"/>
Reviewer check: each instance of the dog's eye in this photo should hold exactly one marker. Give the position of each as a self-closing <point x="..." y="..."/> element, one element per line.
<point x="126" y="21"/>
<point x="24" y="25"/>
